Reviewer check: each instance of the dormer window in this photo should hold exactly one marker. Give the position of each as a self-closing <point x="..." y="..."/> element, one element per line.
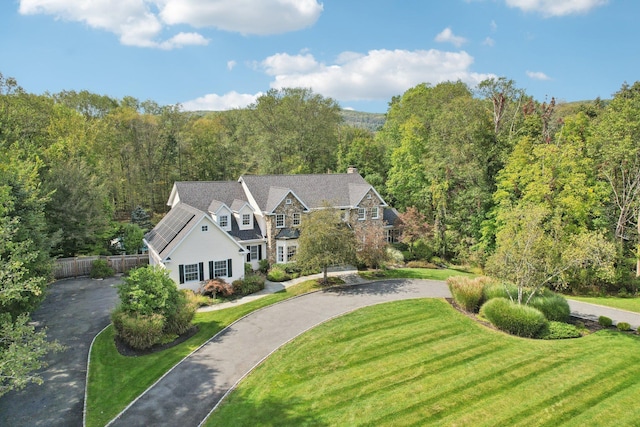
<point x="223" y="220"/>
<point x="246" y="219"/>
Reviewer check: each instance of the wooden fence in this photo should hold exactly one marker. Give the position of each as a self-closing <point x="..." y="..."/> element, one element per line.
<point x="81" y="266"/>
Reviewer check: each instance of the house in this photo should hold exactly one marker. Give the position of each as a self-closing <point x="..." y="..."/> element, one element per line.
<point x="214" y="228"/>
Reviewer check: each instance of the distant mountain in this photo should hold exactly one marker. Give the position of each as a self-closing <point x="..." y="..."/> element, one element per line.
<point x="359" y="119"/>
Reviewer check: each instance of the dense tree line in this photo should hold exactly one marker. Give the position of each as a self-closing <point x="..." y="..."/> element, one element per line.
<point x="483" y="167"/>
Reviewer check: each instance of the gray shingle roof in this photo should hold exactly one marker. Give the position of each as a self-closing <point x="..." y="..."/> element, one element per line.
<point x="201" y="194"/>
<point x="316" y="190"/>
<point x="390" y="216"/>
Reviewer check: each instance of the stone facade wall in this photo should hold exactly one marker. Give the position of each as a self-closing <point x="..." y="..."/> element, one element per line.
<point x="288" y="210"/>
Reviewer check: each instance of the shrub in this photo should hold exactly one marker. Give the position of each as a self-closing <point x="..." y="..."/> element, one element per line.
<point x="100" y="269"/>
<point x="421" y="264"/>
<point x="249" y="285"/>
<point x="263" y="266"/>
<point x="554" y="307"/>
<point x="559" y="330"/>
<point x="277" y="274"/>
<point x="466" y="292"/>
<point x="605" y="321"/>
<point x="148" y="290"/>
<point x="247" y="268"/>
<point x="514" y="318"/>
<point x="139" y="331"/>
<point x="395" y="255"/>
<point x="179" y="321"/>
<point x="215" y="287"/>
<point x="623" y="326"/>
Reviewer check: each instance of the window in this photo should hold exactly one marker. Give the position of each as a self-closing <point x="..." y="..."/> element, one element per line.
<point x="220" y="269"/>
<point x="369" y="196"/>
<point x="254" y="252"/>
<point x="296" y="218"/>
<point x="246" y="219"/>
<point x="374" y="213"/>
<point x="280" y="253"/>
<point x="223" y="220"/>
<point x="291" y="252"/>
<point x="279" y="220"/>
<point x="191" y="272"/>
<point x="205" y="228"/>
<point x="362" y="214"/>
<point x="288" y="201"/>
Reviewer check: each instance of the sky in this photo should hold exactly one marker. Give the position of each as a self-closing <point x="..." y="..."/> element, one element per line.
<point x="223" y="54"/>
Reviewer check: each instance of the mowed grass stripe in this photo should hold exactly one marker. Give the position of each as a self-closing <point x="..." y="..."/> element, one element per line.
<point x="463" y="374"/>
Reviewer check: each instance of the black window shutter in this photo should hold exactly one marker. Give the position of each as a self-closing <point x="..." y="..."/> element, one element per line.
<point x="211" y="270"/>
<point x="259" y="252"/>
<point x="181" y="269"/>
<point x="229" y="269"/>
<point x="249" y="254"/>
<point x="201" y="271"/>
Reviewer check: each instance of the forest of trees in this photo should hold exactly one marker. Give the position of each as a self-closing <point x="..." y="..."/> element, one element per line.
<point x="74" y="166"/>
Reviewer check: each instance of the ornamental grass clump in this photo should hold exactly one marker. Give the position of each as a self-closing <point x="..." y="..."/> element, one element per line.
<point x="554" y="307"/>
<point x="514" y="318"/>
<point x="467" y="292"/>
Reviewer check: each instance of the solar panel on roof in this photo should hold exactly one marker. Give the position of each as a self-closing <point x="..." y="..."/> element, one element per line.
<point x="171" y="225"/>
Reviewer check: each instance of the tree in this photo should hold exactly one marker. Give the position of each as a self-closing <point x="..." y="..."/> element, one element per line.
<point x="325" y="240"/>
<point x="532" y="252"/>
<point x="132" y="236"/>
<point x="413" y="226"/>
<point x="371" y="240"/>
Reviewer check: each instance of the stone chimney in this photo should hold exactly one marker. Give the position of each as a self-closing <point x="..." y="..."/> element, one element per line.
<point x="352" y="169"/>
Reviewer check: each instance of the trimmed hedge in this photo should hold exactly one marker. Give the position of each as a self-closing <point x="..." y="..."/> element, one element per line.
<point x="250" y="284"/>
<point x="623" y="326"/>
<point x="554" y="307"/>
<point x="605" y="321"/>
<point x="514" y="318"/>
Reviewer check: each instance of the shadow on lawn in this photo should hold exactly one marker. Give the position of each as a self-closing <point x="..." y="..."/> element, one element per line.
<point x="239" y="412"/>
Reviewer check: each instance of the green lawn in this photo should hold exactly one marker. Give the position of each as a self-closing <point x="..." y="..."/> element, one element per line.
<point x="419" y="362"/>
<point x="115" y="380"/>
<point x="414" y="273"/>
<point x="629" y="304"/>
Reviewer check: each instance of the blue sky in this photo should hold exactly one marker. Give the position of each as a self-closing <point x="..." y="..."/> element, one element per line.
<point x="222" y="54"/>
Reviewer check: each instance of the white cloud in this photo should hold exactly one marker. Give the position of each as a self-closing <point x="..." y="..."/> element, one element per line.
<point x="494" y="26"/>
<point x="231" y="65"/>
<point x="141" y="22"/>
<point x="550" y="8"/>
<point x="243" y="16"/>
<point x="379" y="74"/>
<point x="537" y="75"/>
<point x="228" y="101"/>
<point x="447" y="36"/>
<point x="489" y="41"/>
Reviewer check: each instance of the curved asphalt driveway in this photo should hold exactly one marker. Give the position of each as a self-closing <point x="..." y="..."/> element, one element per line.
<point x="186" y="394"/>
<point x="73" y="312"/>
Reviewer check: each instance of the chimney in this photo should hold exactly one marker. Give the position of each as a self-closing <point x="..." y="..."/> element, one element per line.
<point x="352" y="169"/>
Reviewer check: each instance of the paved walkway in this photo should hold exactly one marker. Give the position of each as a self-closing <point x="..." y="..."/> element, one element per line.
<point x="589" y="311"/>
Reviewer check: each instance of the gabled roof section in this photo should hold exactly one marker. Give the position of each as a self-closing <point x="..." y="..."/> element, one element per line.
<point x="390" y="216"/>
<point x="172" y="228"/>
<point x="253" y="234"/>
<point x="238" y="204"/>
<point x="200" y="194"/>
<point x="314" y="191"/>
<point x="277" y="195"/>
<point x="215" y="206"/>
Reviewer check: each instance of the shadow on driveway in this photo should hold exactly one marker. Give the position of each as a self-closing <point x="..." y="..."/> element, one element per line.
<point x="73" y="312"/>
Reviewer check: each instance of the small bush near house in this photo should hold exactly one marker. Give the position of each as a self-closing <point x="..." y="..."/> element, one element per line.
<point x="395" y="255"/>
<point x="559" y="330"/>
<point x="249" y="285"/>
<point x="100" y="269"/>
<point x="263" y="266"/>
<point x="605" y="321"/>
<point x="554" y="307"/>
<point x="277" y="274"/>
<point x="215" y="287"/>
<point x="514" y="318"/>
<point x="139" y="331"/>
<point x="623" y="326"/>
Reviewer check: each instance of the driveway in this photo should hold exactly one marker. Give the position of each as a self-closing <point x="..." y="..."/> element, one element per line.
<point x="74" y="312"/>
